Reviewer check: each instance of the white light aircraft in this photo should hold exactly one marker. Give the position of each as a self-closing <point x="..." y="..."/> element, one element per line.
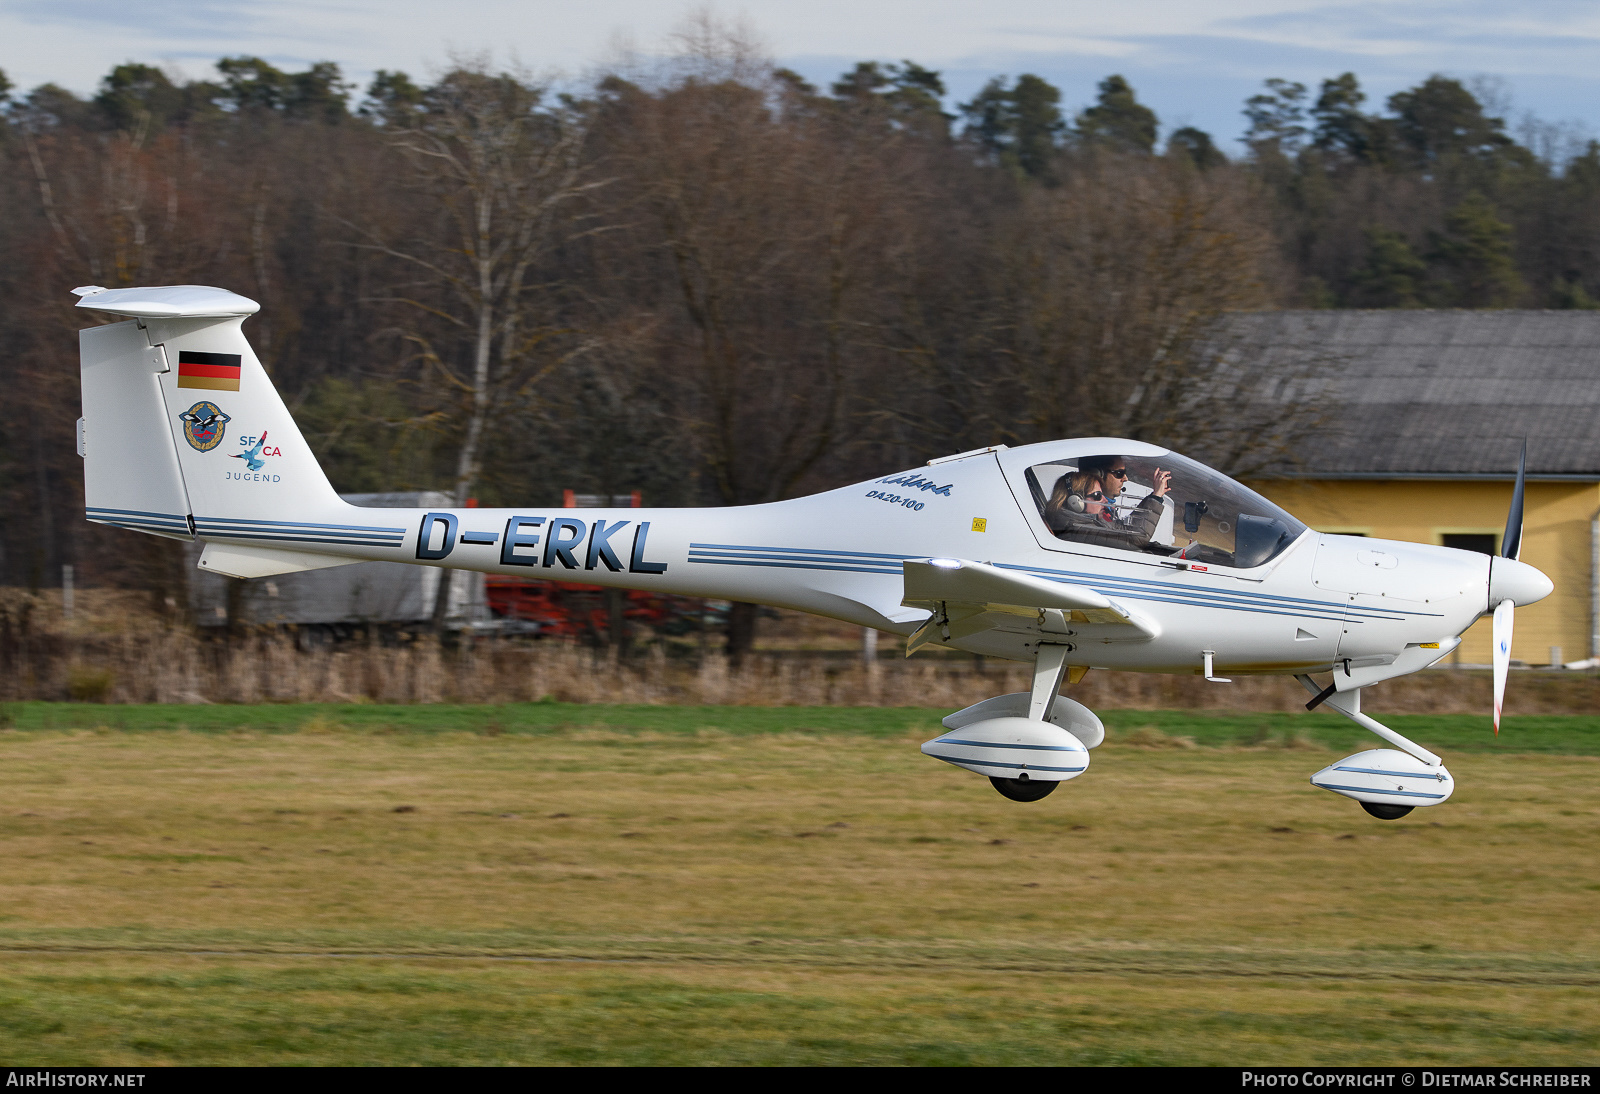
<point x="1067" y="555"/>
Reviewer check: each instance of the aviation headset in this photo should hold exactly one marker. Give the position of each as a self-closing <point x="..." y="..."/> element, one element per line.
<point x="1077" y="501"/>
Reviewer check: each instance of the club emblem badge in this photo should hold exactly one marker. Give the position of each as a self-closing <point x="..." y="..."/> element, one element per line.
<point x="204" y="425"/>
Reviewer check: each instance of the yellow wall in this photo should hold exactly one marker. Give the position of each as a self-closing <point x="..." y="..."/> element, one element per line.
<point x="1555" y="539"/>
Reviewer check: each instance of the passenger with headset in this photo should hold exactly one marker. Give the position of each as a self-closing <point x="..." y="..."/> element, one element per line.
<point x="1080" y="509"/>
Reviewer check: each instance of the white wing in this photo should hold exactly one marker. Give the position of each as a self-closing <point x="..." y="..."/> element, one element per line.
<point x="966" y="597"/>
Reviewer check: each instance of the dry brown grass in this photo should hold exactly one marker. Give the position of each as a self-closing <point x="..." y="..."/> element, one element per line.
<point x="143" y="659"/>
<point x="175" y="666"/>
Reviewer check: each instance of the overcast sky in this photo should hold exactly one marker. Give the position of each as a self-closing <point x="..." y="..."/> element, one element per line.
<point x="1194" y="62"/>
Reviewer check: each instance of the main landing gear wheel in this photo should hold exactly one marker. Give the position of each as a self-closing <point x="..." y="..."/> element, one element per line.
<point x="1025" y="789"/>
<point x="1378" y="809"/>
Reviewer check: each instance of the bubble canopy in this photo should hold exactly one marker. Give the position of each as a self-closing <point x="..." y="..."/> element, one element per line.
<point x="1150" y="501"/>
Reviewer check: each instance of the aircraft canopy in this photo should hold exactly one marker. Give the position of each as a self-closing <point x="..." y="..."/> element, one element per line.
<point x="1137" y="497"/>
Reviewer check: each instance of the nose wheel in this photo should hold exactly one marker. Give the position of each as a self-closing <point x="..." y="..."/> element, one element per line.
<point x="1025" y="789"/>
<point x="1385" y="812"/>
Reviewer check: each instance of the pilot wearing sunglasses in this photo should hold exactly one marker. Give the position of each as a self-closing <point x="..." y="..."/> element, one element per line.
<point x="1122" y="492"/>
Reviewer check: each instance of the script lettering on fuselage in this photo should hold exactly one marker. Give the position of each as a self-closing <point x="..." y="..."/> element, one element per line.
<point x="917" y="482"/>
<point x="910" y="482"/>
<point x="550" y="543"/>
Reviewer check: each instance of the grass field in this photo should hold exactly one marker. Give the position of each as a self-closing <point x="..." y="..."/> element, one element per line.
<point x="548" y="884"/>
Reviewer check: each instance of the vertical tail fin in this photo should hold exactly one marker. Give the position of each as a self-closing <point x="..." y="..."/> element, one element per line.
<point x="184" y="433"/>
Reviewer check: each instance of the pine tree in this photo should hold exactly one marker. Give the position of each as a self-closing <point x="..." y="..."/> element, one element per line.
<point x="1019" y="126"/>
<point x="1342" y="128"/>
<point x="134" y="97"/>
<point x="1439" y="118"/>
<point x="1475" y="251"/>
<point x="1277" y="119"/>
<point x="1393" y="277"/>
<point x="1197" y="145"/>
<point x="1118" y="119"/>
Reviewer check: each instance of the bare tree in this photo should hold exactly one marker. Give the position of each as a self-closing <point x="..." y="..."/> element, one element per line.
<point x="1114" y="282"/>
<point x="762" y="215"/>
<point x="115" y="209"/>
<point x="503" y="170"/>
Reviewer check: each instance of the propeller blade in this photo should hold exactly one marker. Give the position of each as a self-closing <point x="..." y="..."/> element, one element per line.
<point x="1503" y="613"/>
<point x="1511" y="542"/>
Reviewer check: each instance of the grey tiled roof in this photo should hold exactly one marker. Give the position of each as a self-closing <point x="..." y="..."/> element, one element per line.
<point x="1432" y="392"/>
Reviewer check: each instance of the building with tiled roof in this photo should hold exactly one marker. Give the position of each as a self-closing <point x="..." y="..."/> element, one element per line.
<point x="1421" y="415"/>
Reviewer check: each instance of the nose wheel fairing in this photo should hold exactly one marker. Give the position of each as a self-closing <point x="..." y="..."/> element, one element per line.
<point x="1387" y="776"/>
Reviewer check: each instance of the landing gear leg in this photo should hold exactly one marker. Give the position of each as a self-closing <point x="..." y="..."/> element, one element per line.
<point x="1349" y="704"/>
<point x="1048" y="671"/>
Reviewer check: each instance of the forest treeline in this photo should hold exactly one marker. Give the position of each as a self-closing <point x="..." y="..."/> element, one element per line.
<point x="703" y="278"/>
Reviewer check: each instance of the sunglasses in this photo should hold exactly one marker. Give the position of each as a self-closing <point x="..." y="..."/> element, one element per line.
<point x="1119" y="472"/>
<point x="1096" y="496"/>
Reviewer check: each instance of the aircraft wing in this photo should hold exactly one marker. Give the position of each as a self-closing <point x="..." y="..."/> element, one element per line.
<point x="966" y="597"/>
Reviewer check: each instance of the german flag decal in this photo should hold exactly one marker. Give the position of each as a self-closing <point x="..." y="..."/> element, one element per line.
<point x="212" y="371"/>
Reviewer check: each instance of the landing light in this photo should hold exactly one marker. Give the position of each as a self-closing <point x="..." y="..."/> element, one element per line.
<point x="945" y="563"/>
